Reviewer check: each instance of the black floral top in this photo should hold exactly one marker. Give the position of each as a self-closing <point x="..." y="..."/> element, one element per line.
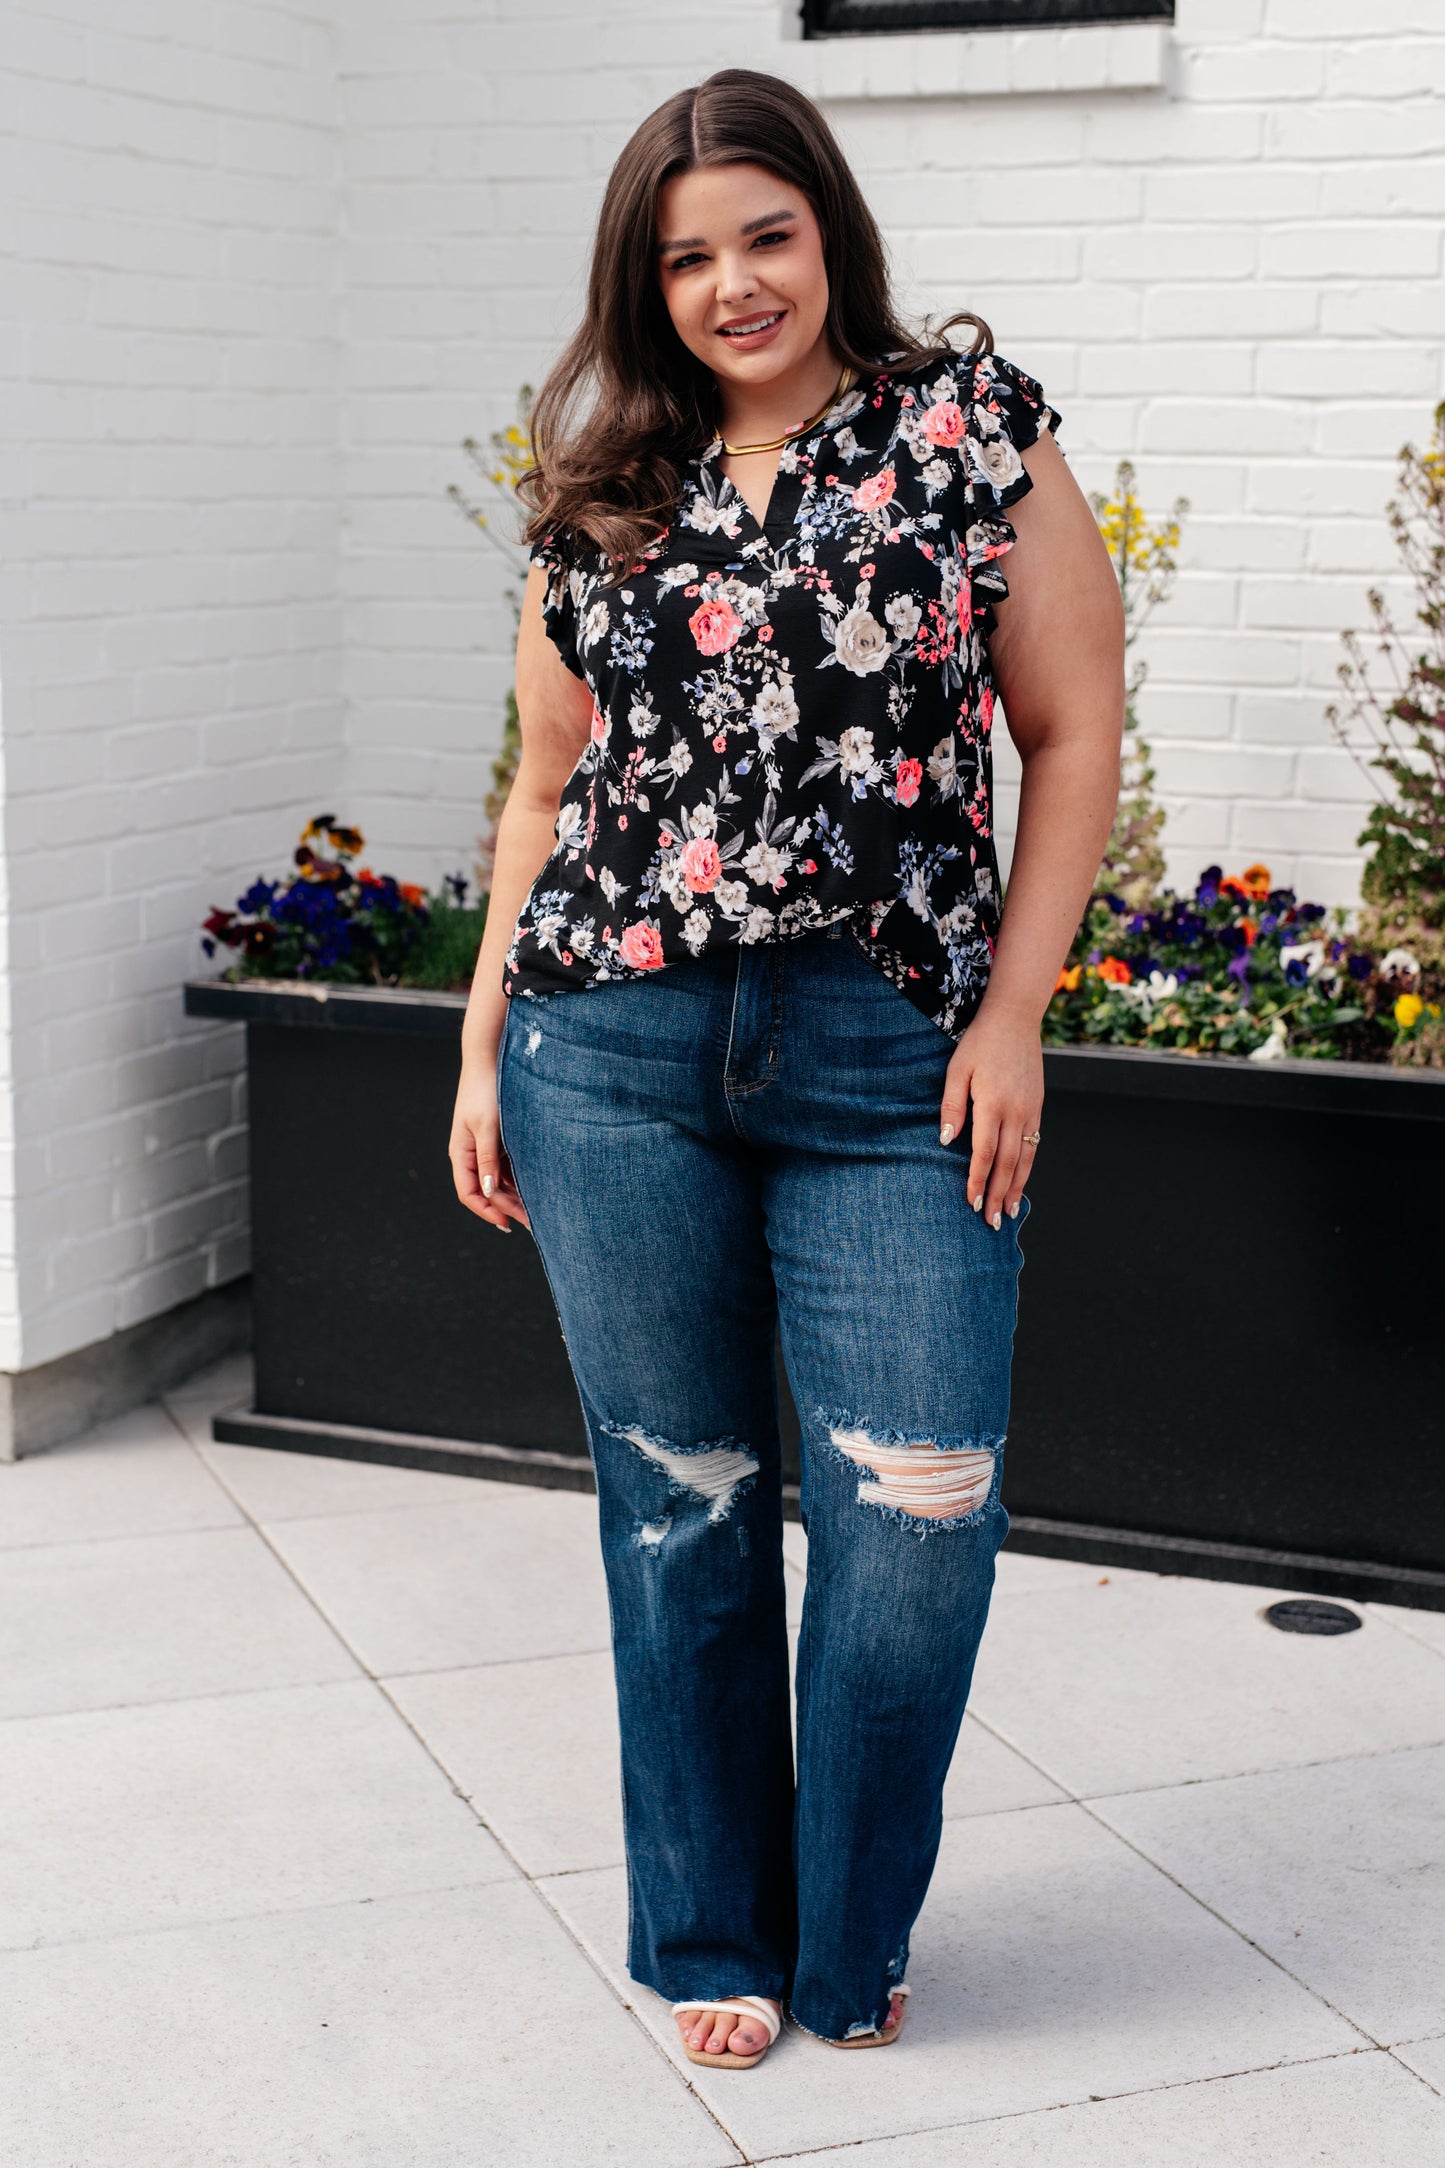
<point x="791" y="721"/>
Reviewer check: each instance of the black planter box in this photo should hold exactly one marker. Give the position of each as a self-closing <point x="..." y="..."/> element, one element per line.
<point x="1232" y="1312"/>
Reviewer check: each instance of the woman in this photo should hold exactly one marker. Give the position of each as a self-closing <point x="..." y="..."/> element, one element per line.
<point x="767" y="1053"/>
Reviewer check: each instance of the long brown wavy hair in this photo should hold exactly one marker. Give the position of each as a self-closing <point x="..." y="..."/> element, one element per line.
<point x="626" y="404"/>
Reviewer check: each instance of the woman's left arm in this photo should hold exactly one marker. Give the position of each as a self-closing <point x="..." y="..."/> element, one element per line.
<point x="1057" y="652"/>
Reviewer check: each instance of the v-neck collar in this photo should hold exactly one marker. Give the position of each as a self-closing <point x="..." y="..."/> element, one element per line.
<point x="785" y="499"/>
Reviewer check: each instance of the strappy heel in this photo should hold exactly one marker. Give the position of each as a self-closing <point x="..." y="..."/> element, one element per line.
<point x="739" y="2006"/>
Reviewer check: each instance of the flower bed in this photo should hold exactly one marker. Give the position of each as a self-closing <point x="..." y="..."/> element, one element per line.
<point x="1240" y="967"/>
<point x="347" y="926"/>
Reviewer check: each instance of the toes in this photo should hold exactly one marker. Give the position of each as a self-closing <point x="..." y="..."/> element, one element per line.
<point x="724" y="2025"/>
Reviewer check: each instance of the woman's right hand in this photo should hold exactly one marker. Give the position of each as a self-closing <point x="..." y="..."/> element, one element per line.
<point x="480" y="1167"/>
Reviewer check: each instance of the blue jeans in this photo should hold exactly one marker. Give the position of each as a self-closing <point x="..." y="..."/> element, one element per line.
<point x="739" y="1143"/>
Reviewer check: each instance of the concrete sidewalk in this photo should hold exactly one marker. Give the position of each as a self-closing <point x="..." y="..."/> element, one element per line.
<point x="294" y="1747"/>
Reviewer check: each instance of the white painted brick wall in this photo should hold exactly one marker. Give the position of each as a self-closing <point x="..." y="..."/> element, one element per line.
<point x="266" y="262"/>
<point x="170" y="467"/>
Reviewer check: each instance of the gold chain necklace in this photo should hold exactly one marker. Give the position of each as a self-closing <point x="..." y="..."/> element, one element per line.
<point x="734" y="450"/>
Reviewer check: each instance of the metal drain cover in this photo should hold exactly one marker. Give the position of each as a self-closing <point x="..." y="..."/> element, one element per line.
<point x="1312" y="1615"/>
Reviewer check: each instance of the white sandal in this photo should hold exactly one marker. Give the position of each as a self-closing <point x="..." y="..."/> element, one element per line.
<point x="741" y="2006"/>
<point x="879" y="2039"/>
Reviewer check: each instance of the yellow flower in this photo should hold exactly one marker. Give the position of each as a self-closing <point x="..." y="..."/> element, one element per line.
<point x="1408" y="1010"/>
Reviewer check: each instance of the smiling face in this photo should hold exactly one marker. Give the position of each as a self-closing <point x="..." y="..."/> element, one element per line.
<point x="741" y="268"/>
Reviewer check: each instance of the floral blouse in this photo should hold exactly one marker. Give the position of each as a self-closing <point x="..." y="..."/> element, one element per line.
<point x="791" y="720"/>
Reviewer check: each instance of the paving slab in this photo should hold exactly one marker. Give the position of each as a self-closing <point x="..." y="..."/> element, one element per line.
<point x="1137" y="1681"/>
<point x="1354" y="2111"/>
<point x="1425" y="1626"/>
<point x="1050" y="1963"/>
<point x="509" y="1574"/>
<point x="534" y="1746"/>
<point x="277" y="1486"/>
<point x="357" y="2035"/>
<point x="1337" y="1870"/>
<point x="1427" y="2059"/>
<point x="987" y="1777"/>
<point x="135" y="1476"/>
<point x="117" y="1820"/>
<point x="155" y="1618"/>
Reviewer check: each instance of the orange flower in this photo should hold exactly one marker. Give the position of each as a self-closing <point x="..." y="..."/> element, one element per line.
<point x="1067" y="982"/>
<point x="1230" y="887"/>
<point x="1257" y="883"/>
<point x="412" y="893"/>
<point x="1115" y="970"/>
<point x="1248" y="928"/>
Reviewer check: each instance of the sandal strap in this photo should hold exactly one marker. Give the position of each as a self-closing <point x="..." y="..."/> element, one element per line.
<point x="739" y="2006"/>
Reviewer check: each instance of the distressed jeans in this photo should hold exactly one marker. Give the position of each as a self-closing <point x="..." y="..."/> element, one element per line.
<point x="735" y="1145"/>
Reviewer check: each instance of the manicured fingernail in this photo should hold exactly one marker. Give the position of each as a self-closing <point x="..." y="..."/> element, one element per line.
<point x="488" y="1184"/>
<point x="947" y="1134"/>
<point x="1013" y="1211"/>
<point x="978" y="1204"/>
<point x="998" y="1219"/>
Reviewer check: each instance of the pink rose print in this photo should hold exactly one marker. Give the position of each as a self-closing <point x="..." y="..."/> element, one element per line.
<point x="715" y="626"/>
<point x="910" y="776"/>
<point x="641" y="946"/>
<point x="720" y="743"/>
<point x="943" y="424"/>
<point x="876" y="489"/>
<point x="701" y="865"/>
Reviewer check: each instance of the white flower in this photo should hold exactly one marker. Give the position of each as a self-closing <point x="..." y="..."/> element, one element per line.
<point x="673" y="886"/>
<point x="583" y="936"/>
<point x="731" y="898"/>
<point x="910" y="431"/>
<point x="775" y="710"/>
<point x="1310" y="953"/>
<point x="759" y="925"/>
<point x="680" y="758"/>
<point x="702" y="821"/>
<point x="1399" y="963"/>
<point x="641" y="717"/>
<point x="766" y="865"/>
<point x="709" y="518"/>
<point x="999" y="461"/>
<point x="751" y="603"/>
<point x="943" y="767"/>
<point x="904" y="615"/>
<point x="1146" y="993"/>
<point x="607" y="882"/>
<point x="846" y="444"/>
<point x="960" y="920"/>
<point x="1276" y="1046"/>
<point x="596" y="622"/>
<point x="675" y="576"/>
<point x="860" y="642"/>
<point x="569" y="820"/>
<point x="938" y="474"/>
<point x="855" y="751"/>
<point x="695" y="929"/>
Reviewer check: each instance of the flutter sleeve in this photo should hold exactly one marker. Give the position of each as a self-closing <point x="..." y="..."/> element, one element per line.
<point x="553" y="552"/>
<point x="1008" y="413"/>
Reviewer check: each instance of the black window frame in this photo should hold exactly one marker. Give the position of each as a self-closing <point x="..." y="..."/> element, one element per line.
<point x="884" y="18"/>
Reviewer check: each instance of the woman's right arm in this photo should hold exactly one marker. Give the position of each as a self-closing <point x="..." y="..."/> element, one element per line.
<point x="555" y="711"/>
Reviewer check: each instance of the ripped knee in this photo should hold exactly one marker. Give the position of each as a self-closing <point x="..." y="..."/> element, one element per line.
<point x="920" y="1478"/>
<point x="714" y="1471"/>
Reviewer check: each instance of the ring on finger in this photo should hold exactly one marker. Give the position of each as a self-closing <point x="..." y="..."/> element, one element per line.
<point x="1034" y="1139"/>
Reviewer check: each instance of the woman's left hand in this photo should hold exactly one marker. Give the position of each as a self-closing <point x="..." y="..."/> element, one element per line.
<point x="998" y="1066"/>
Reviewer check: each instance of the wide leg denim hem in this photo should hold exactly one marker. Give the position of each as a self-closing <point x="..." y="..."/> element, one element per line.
<point x="733" y="1147"/>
